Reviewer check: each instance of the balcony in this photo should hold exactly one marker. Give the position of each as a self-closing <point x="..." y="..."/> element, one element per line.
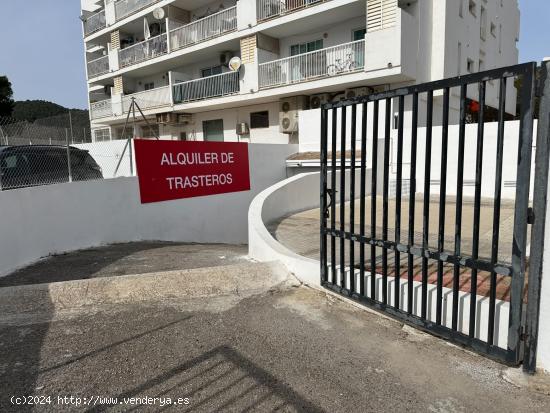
<point x="140" y="52"/>
<point x="268" y="9"/>
<point x="94" y="23"/>
<point x="102" y="109"/>
<point x="207" y="28"/>
<point x="331" y="61"/>
<point x="148" y="99"/>
<point x="98" y="66"/>
<point x="124" y="8"/>
<point x="208" y="87"/>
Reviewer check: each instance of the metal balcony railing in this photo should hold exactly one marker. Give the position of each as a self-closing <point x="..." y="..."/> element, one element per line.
<point x="332" y="61"/>
<point x="267" y="9"/>
<point x="204" y="29"/>
<point x="101" y="109"/>
<point x="98" y="67"/>
<point x="207" y="87"/>
<point x="139" y="52"/>
<point x="148" y="99"/>
<point x="124" y="8"/>
<point x="94" y="23"/>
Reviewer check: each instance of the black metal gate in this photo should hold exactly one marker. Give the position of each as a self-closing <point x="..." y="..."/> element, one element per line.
<point x="466" y="286"/>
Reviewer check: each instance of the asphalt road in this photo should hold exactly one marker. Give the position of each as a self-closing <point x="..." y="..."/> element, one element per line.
<point x="288" y="349"/>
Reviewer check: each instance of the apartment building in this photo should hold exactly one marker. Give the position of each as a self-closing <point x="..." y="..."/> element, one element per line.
<point x="172" y="57"/>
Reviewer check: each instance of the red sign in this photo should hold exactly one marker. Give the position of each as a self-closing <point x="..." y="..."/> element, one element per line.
<point x="170" y="170"/>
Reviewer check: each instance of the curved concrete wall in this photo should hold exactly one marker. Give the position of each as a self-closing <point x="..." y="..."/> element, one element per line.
<point x="40" y="221"/>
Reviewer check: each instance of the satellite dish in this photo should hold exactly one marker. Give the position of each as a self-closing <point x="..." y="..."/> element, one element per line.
<point x="158" y="13"/>
<point x="235" y="63"/>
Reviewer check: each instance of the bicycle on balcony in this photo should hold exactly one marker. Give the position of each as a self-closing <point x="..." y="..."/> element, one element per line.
<point x="340" y="66"/>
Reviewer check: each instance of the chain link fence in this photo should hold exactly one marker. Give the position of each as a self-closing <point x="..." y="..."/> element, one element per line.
<point x="52" y="150"/>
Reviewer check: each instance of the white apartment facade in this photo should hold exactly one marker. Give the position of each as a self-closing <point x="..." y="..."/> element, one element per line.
<point x="172" y="57"/>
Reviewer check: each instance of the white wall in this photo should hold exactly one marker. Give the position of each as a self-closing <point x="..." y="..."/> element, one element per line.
<point x="64" y="217"/>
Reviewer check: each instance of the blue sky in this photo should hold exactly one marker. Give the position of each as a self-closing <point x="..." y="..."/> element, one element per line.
<point x="41" y="49"/>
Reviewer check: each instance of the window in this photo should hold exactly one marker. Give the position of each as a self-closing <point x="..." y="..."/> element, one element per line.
<point x="101" y="135"/>
<point x="470" y="66"/>
<point x="472" y="7"/>
<point x="149" y="132"/>
<point x="493" y="30"/>
<point x="302" y="48"/>
<point x="259" y="120"/>
<point x="358" y="34"/>
<point x="461" y="8"/>
<point x="213" y="130"/>
<point x="129" y="134"/>
<point x="149" y="86"/>
<point x="211" y="71"/>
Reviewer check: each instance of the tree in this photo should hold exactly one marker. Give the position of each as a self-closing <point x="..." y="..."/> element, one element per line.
<point x="6" y="97"/>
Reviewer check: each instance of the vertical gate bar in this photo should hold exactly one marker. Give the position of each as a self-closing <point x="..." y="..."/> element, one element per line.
<point x="387" y="136"/>
<point x="362" y="195"/>
<point x="496" y="210"/>
<point x="426" y="206"/>
<point x="521" y="211"/>
<point x="374" y="180"/>
<point x="323" y="184"/>
<point x="343" y="196"/>
<point x="353" y="137"/>
<point x="442" y="203"/>
<point x="477" y="207"/>
<point x="537" y="231"/>
<point x="459" y="194"/>
<point x="333" y="197"/>
<point x="412" y="202"/>
<point x="399" y="179"/>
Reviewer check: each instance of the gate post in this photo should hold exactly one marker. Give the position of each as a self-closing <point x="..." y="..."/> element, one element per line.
<point x="537" y="342"/>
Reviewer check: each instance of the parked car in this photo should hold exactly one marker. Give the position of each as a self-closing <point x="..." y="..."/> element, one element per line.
<point x="33" y="165"/>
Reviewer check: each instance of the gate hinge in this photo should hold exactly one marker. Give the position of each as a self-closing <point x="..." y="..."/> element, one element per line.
<point x="530" y="216"/>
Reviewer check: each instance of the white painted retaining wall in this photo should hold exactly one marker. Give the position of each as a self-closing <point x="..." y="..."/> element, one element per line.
<point x="51" y="219"/>
<point x="310" y="133"/>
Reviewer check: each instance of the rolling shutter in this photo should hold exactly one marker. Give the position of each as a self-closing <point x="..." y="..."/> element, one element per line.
<point x="381" y="14"/>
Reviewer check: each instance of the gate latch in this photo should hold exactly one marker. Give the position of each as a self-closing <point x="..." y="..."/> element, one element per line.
<point x="530" y="216"/>
<point x="331" y="193"/>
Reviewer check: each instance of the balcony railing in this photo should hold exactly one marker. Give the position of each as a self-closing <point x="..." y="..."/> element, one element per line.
<point x="139" y="52"/>
<point x="332" y="61"/>
<point x="124" y="8"/>
<point x="268" y="9"/>
<point x="98" y="66"/>
<point x="207" y="87"/>
<point x="148" y="99"/>
<point x="204" y="29"/>
<point x="101" y="109"/>
<point x="94" y="23"/>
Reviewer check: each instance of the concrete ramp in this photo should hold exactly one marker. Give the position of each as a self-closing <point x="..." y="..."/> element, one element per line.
<point x="238" y="281"/>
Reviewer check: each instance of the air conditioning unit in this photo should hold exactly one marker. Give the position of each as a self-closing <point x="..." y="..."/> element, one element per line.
<point x="171" y="118"/>
<point x="316" y="101"/>
<point x="357" y="92"/>
<point x="289" y="109"/>
<point x="242" y="128"/>
<point x="225" y="57"/>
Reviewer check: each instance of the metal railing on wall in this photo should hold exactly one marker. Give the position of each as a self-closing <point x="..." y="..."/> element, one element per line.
<point x="95" y="22"/>
<point x="142" y="51"/>
<point x="101" y="109"/>
<point x="148" y="99"/>
<point x="207" y="87"/>
<point x="124" y="8"/>
<point x="204" y="29"/>
<point x="331" y="61"/>
<point x="268" y="9"/>
<point x="98" y="67"/>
